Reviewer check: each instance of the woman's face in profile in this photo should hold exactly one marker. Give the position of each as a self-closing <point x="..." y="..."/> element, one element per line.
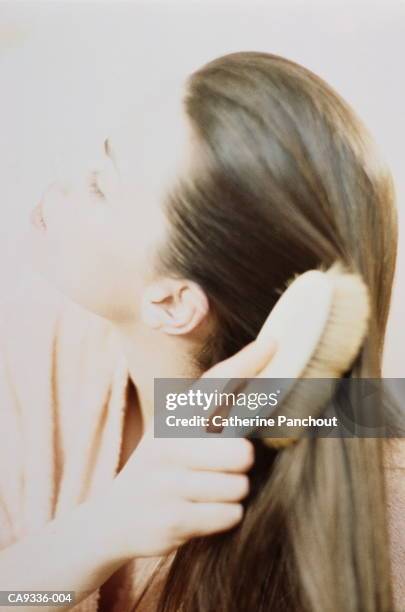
<point x="104" y="226"/>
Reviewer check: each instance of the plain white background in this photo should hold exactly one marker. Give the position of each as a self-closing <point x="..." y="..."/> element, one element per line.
<point x="67" y="69"/>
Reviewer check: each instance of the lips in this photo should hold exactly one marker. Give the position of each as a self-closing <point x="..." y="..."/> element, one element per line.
<point x="37" y="218"/>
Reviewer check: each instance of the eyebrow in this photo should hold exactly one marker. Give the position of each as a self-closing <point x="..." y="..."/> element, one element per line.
<point x="108" y="152"/>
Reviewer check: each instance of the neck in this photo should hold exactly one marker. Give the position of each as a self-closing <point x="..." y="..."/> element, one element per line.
<point x="151" y="355"/>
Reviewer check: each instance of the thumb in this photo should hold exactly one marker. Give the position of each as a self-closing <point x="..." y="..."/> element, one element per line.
<point x="246" y="363"/>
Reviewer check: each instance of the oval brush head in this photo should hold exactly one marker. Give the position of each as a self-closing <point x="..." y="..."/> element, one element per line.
<point x="319" y="323"/>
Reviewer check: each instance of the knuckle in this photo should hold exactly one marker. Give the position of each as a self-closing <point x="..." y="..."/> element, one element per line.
<point x="235" y="487"/>
<point x="233" y="513"/>
<point x="243" y="486"/>
<point x="237" y="512"/>
<point x="173" y="523"/>
<point x="246" y="453"/>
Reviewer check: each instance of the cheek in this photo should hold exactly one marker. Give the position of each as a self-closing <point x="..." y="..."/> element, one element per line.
<point x="99" y="254"/>
<point x="85" y="253"/>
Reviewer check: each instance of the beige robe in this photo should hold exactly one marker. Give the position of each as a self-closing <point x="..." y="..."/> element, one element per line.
<point x="63" y="384"/>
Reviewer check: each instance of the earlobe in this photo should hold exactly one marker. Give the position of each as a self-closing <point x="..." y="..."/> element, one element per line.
<point x="174" y="306"/>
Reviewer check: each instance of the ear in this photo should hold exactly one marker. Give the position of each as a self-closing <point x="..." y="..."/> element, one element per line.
<point x="174" y="306"/>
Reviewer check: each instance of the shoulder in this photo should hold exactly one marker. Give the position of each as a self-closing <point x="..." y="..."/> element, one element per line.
<point x="54" y="353"/>
<point x="60" y="366"/>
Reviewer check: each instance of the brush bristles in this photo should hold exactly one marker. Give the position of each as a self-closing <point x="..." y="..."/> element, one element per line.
<point x="345" y="329"/>
<point x="338" y="346"/>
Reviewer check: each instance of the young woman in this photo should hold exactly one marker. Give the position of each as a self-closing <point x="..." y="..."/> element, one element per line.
<point x="182" y="243"/>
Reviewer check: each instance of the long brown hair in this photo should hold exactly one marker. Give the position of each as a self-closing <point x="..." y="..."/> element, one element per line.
<point x="286" y="179"/>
